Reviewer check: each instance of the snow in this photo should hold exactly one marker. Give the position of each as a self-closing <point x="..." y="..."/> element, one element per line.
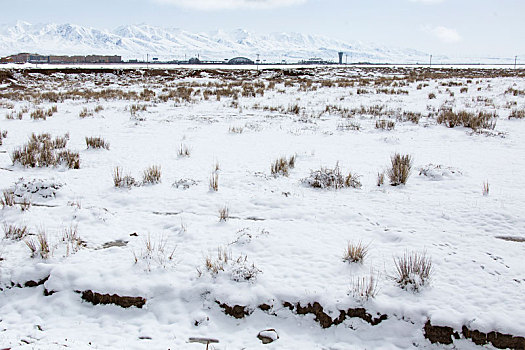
<point x="298" y="239"/>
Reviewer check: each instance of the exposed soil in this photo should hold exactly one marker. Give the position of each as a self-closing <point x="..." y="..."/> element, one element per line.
<point x="122" y="301"/>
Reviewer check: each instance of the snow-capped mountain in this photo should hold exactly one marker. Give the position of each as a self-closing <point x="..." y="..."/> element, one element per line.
<point x="135" y="41"/>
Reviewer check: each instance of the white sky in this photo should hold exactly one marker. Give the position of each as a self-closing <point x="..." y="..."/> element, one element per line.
<point x="451" y="27"/>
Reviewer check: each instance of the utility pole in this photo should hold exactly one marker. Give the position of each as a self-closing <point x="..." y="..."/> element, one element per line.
<point x="258" y="61"/>
<point x="147" y="61"/>
<point x="515" y="61"/>
<point x="430" y="60"/>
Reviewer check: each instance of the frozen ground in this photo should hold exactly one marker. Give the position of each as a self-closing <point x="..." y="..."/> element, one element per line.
<point x="295" y="236"/>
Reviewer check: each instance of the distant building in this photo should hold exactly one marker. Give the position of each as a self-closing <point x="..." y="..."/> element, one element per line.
<point x="36" y="58"/>
<point x="341" y="57"/>
<point x="194" y="60"/>
<point x="240" y="60"/>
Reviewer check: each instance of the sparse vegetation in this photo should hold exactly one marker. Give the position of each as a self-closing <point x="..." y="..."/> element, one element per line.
<point x="332" y="178"/>
<point x="380" y="179"/>
<point x="400" y="169"/>
<point x="514" y="114"/>
<point x="385" y="124"/>
<point x="239" y="269"/>
<point x="486" y="188"/>
<point x="282" y="166"/>
<point x="8" y="199"/>
<point x="431" y="96"/>
<point x="40" y="247"/>
<point x="42" y="151"/>
<point x="412" y="270"/>
<point x="96" y="142"/>
<point x="236" y="129"/>
<point x="224" y="214"/>
<point x="214" y="181"/>
<point x="121" y="180"/>
<point x="152" y="175"/>
<point x="184" y="151"/>
<point x="15" y="232"/>
<point x="355" y="252"/>
<point x="155" y="253"/>
<point x="475" y="121"/>
<point x="365" y="288"/>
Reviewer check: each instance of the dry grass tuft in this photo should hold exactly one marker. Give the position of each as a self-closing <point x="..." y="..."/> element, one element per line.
<point x="475" y="121"/>
<point x="96" y="142"/>
<point x="40" y="247"/>
<point x="42" y="151"/>
<point x="236" y="129"/>
<point x="184" y="151"/>
<point x="514" y="114"/>
<point x="224" y="214"/>
<point x="282" y="165"/>
<point x="73" y="241"/>
<point x="355" y="252"/>
<point x="385" y="124"/>
<point x="380" y="179"/>
<point x="400" y="169"/>
<point x="413" y="270"/>
<point x="15" y="232"/>
<point x="151" y="175"/>
<point x="8" y="199"/>
<point x="214" y="181"/>
<point x="486" y="188"/>
<point x="332" y="178"/>
<point x="120" y="180"/>
<point x="365" y="288"/>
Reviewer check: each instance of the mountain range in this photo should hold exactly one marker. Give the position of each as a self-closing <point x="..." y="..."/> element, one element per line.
<point x="137" y="41"/>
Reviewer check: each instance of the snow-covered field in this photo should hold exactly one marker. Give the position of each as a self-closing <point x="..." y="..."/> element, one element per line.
<point x="284" y="240"/>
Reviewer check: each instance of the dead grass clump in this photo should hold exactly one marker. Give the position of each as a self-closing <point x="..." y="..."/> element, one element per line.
<point x="214" y="181"/>
<point x="401" y="166"/>
<point x="431" y="96"/>
<point x="224" y="214"/>
<point x="8" y="199"/>
<point x="413" y="270"/>
<point x="515" y="92"/>
<point x="69" y="158"/>
<point x="25" y="204"/>
<point x="85" y="112"/>
<point x="236" y="129"/>
<point x="282" y="165"/>
<point x="41" y="151"/>
<point x="98" y="108"/>
<point x="151" y="175"/>
<point x="72" y="240"/>
<point x="96" y="142"/>
<point x="380" y="179"/>
<point x="331" y="178"/>
<point x="486" y="188"/>
<point x="514" y="114"/>
<point x="385" y="124"/>
<point x="355" y="252"/>
<point x="38" y="114"/>
<point x="239" y="269"/>
<point x="15" y="232"/>
<point x="365" y="288"/>
<point x="155" y="253"/>
<point x="475" y="121"/>
<point x="40" y="247"/>
<point x="184" y="151"/>
<point x="120" y="180"/>
<point x="463" y="90"/>
<point x="3" y="135"/>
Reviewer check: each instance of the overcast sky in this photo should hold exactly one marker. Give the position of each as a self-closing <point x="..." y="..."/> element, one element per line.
<point x="451" y="27"/>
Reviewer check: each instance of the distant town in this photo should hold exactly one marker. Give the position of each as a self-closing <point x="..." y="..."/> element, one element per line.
<point x="22" y="58"/>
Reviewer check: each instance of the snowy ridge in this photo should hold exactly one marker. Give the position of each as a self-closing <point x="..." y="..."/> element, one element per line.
<point x="135" y="41"/>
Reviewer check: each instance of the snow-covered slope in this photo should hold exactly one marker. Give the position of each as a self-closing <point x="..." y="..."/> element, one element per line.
<point x="135" y="41"/>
